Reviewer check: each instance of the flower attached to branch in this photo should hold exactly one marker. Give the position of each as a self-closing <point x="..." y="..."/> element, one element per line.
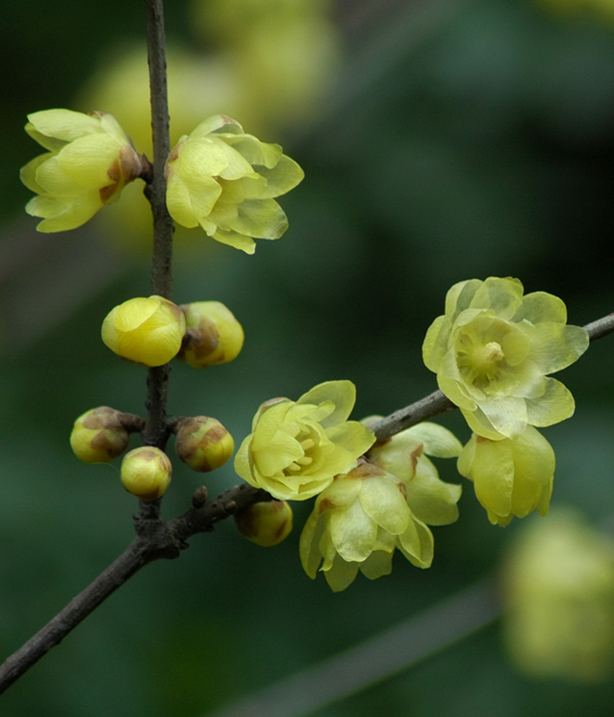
<point x="296" y="448"/>
<point x="511" y="477"/>
<point x="492" y="352"/>
<point x="143" y="330"/>
<point x="381" y="505"/>
<point x="90" y="159"/>
<point x="226" y="181"/>
<point x="357" y="523"/>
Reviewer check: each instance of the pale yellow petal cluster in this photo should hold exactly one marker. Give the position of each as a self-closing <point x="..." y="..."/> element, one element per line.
<point x="512" y="477"/>
<point x="296" y="448"/>
<point x="89" y="161"/>
<point x="146" y="331"/>
<point x="492" y="351"/>
<point x="226" y="182"/>
<point x="558" y="600"/>
<point x="383" y="504"/>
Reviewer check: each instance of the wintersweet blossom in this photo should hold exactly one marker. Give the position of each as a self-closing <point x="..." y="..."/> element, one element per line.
<point x="296" y="448"/>
<point x="558" y="600"/>
<point x="511" y="477"/>
<point x="143" y="330"/>
<point x="357" y="523"/>
<point x="90" y="159"/>
<point x="493" y="349"/>
<point x="431" y="500"/>
<point x="225" y="181"/>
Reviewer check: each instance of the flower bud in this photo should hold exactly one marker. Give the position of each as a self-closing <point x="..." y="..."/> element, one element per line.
<point x="146" y="472"/>
<point x="203" y="443"/>
<point x="146" y="331"/>
<point x="266" y="523"/>
<point x="213" y="334"/>
<point x="98" y="435"/>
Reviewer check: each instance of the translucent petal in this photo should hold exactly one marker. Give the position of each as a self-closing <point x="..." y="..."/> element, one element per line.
<point x="283" y="177"/>
<point x="341" y="575"/>
<point x="242" y="464"/>
<point x="179" y="203"/>
<point x="277" y="455"/>
<point x="379" y="563"/>
<point x="64" y="125"/>
<point x="492" y="471"/>
<point x="214" y="124"/>
<point x="508" y="416"/>
<point x="236" y="240"/>
<point x="353" y="532"/>
<point x="432" y="348"/>
<point x="339" y="494"/>
<point x="383" y="501"/>
<point x="62" y="216"/>
<point x="260" y="218"/>
<point x="555" y="346"/>
<point x="416" y="543"/>
<point x="480" y="424"/>
<point x="352" y="436"/>
<point x="502" y="296"/>
<point x="111" y="126"/>
<point x="341" y="393"/>
<point x="430" y="499"/>
<point x="269" y="423"/>
<point x="55" y="182"/>
<point x="557" y="404"/>
<point x="437" y="440"/>
<point x="533" y="456"/>
<point x="27" y="173"/>
<point x="255" y="151"/>
<point x="453" y="389"/>
<point x="465" y="460"/>
<point x="540" y="306"/>
<point x="237" y="166"/>
<point x="459" y="297"/>
<point x="309" y="544"/>
<point x="198" y="158"/>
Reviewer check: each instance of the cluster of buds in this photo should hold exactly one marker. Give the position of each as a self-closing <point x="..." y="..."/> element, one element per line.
<point x="151" y="331"/>
<point x="219" y="177"/>
<point x="492" y="352"/>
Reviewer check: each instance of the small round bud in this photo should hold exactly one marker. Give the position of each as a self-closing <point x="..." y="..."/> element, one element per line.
<point x="146" y="331"/>
<point x="266" y="523"/>
<point x="98" y="435"/>
<point x="203" y="443"/>
<point x="146" y="472"/>
<point x="213" y="334"/>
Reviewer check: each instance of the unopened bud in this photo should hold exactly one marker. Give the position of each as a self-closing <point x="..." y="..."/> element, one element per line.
<point x="266" y="523"/>
<point x="203" y="443"/>
<point x="213" y="334"/>
<point x="146" y="472"/>
<point x="98" y="435"/>
<point x="143" y="330"/>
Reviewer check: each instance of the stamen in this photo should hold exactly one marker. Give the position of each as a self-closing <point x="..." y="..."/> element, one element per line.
<point x="304" y="461"/>
<point x="307" y="444"/>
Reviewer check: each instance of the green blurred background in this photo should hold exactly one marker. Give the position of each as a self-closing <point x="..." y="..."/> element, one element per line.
<point x="441" y="140"/>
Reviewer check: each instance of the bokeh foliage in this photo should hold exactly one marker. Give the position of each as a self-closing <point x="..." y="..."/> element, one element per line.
<point x="464" y="139"/>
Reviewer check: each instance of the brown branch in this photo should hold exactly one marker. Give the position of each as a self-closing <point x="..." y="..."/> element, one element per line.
<point x="158" y="539"/>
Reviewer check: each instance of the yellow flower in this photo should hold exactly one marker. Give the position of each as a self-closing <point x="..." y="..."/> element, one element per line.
<point x="146" y="472"/>
<point x="558" y="600"/>
<point x="90" y="159"/>
<point x="357" y="523"/>
<point x="492" y="351"/>
<point x="297" y="448"/>
<point x="404" y="456"/>
<point x="511" y="477"/>
<point x="225" y="181"/>
<point x="213" y="334"/>
<point x="266" y="523"/>
<point x="143" y="330"/>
